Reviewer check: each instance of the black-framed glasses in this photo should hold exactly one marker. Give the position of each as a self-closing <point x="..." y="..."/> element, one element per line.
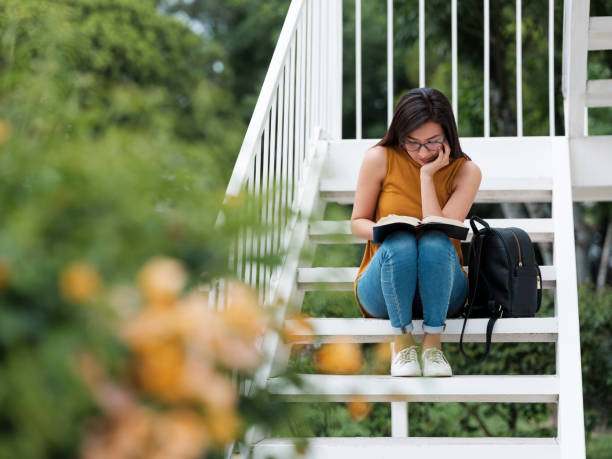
<point x="431" y="146"/>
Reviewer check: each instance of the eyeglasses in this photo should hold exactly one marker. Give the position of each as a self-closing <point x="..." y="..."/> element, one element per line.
<point x="416" y="146"/>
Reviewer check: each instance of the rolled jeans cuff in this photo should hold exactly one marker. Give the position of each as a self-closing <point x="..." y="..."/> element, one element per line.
<point x="407" y="328"/>
<point x="434" y="330"/>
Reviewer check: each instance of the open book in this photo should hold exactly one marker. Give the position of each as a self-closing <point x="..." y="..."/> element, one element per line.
<point x="390" y="223"/>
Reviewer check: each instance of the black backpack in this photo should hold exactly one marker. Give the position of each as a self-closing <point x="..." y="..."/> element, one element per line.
<point x="503" y="277"/>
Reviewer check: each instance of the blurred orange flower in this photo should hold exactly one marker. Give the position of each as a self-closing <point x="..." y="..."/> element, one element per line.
<point x="358" y="408"/>
<point x="5" y="131"/>
<point x="5" y="274"/>
<point x="382" y="353"/>
<point x="178" y="348"/>
<point x="161" y="280"/>
<point x="215" y="390"/>
<point x="79" y="282"/>
<point x="339" y="358"/>
<point x="296" y="327"/>
<point x="181" y="434"/>
<point x="243" y="315"/>
<point x="223" y="426"/>
<point x="160" y="372"/>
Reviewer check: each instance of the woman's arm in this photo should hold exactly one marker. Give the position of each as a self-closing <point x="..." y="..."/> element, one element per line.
<point x="371" y="175"/>
<point x="462" y="196"/>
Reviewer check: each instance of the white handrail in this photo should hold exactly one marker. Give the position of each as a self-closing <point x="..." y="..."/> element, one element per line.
<point x="300" y="99"/>
<point x="264" y="101"/>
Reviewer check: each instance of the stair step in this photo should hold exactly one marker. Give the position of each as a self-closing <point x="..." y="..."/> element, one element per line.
<point x="339" y="231"/>
<point x="501" y="159"/>
<point x="387" y="388"/>
<point x="492" y="190"/>
<point x="397" y="447"/>
<point x="326" y="278"/>
<point x="367" y="330"/>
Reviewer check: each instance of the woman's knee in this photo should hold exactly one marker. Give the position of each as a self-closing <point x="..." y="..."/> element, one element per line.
<point x="435" y="243"/>
<point x="401" y="243"/>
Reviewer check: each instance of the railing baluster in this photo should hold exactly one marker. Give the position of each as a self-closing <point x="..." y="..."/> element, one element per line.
<point x="249" y="232"/>
<point x="486" y="70"/>
<point x="272" y="172"/>
<point x="421" y="43"/>
<point x="279" y="154"/>
<point x="265" y="209"/>
<point x="519" y="70"/>
<point x="358" y="132"/>
<point x="455" y="93"/>
<point x="299" y="104"/>
<point x="389" y="61"/>
<point x="284" y="160"/>
<point x="551" y="66"/>
<point x="309" y="73"/>
<point x="291" y="121"/>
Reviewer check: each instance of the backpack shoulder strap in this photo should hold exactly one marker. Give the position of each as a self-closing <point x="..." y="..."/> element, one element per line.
<point x="478" y="238"/>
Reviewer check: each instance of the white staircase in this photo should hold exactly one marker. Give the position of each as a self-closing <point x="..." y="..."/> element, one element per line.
<point x="294" y="155"/>
<point x="539" y="171"/>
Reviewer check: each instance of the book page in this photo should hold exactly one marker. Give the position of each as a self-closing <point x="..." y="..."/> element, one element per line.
<point x="393" y="218"/>
<point x="438" y="219"/>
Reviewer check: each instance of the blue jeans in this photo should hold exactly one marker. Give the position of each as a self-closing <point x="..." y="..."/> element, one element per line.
<point x="404" y="265"/>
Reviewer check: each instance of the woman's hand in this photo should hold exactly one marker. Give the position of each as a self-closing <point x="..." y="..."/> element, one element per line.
<point x="442" y="160"/>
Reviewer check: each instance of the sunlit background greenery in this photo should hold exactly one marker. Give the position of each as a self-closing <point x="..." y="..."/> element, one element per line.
<point x="120" y="123"/>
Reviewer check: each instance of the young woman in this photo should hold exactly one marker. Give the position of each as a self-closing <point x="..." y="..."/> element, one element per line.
<point x="417" y="169"/>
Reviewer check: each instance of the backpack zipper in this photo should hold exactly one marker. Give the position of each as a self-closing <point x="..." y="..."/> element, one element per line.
<point x="520" y="261"/>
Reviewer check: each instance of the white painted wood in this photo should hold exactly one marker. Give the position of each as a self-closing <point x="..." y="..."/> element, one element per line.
<point x="399" y="419"/>
<point x="291" y="127"/>
<point x="416" y="447"/>
<point x="300" y="100"/>
<point x="598" y="93"/>
<point x="387" y="388"/>
<point x="250" y="267"/>
<point x="341" y="279"/>
<point x="255" y="128"/>
<point x="514" y="169"/>
<point x="591" y="163"/>
<point x="491" y="191"/>
<point x="338" y="77"/>
<point x="600" y="33"/>
<point x="486" y="70"/>
<point x="362" y="330"/>
<point x="399" y="410"/>
<point x="551" y="66"/>
<point x="284" y="288"/>
<point x="284" y="201"/>
<point x="339" y="231"/>
<point x="454" y="67"/>
<point x="575" y="47"/>
<point x="390" y="97"/>
<point x="358" y="126"/>
<point x="519" y="69"/>
<point x="570" y="411"/>
<point x="421" y="43"/>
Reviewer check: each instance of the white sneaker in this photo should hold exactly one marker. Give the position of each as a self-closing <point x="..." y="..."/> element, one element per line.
<point x="434" y="363"/>
<point x="406" y="362"/>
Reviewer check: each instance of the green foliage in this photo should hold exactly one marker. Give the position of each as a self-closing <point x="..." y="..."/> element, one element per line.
<point x="596" y="351"/>
<point x="117" y="151"/>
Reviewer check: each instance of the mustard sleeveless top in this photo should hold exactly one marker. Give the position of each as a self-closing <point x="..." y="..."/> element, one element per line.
<point x="400" y="194"/>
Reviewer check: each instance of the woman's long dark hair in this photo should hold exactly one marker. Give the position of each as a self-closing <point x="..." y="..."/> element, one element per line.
<point x="415" y="108"/>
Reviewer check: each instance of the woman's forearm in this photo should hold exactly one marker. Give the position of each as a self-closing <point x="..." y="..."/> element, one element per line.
<point x="362" y="227"/>
<point x="429" y="199"/>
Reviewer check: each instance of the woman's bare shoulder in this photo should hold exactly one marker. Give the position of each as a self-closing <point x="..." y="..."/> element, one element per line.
<point x="374" y="163"/>
<point x="469" y="173"/>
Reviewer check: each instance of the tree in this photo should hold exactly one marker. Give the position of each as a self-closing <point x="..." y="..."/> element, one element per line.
<point x="116" y="144"/>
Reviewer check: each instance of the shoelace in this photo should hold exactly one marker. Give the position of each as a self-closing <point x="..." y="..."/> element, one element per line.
<point x="407" y="355"/>
<point x="436" y="356"/>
